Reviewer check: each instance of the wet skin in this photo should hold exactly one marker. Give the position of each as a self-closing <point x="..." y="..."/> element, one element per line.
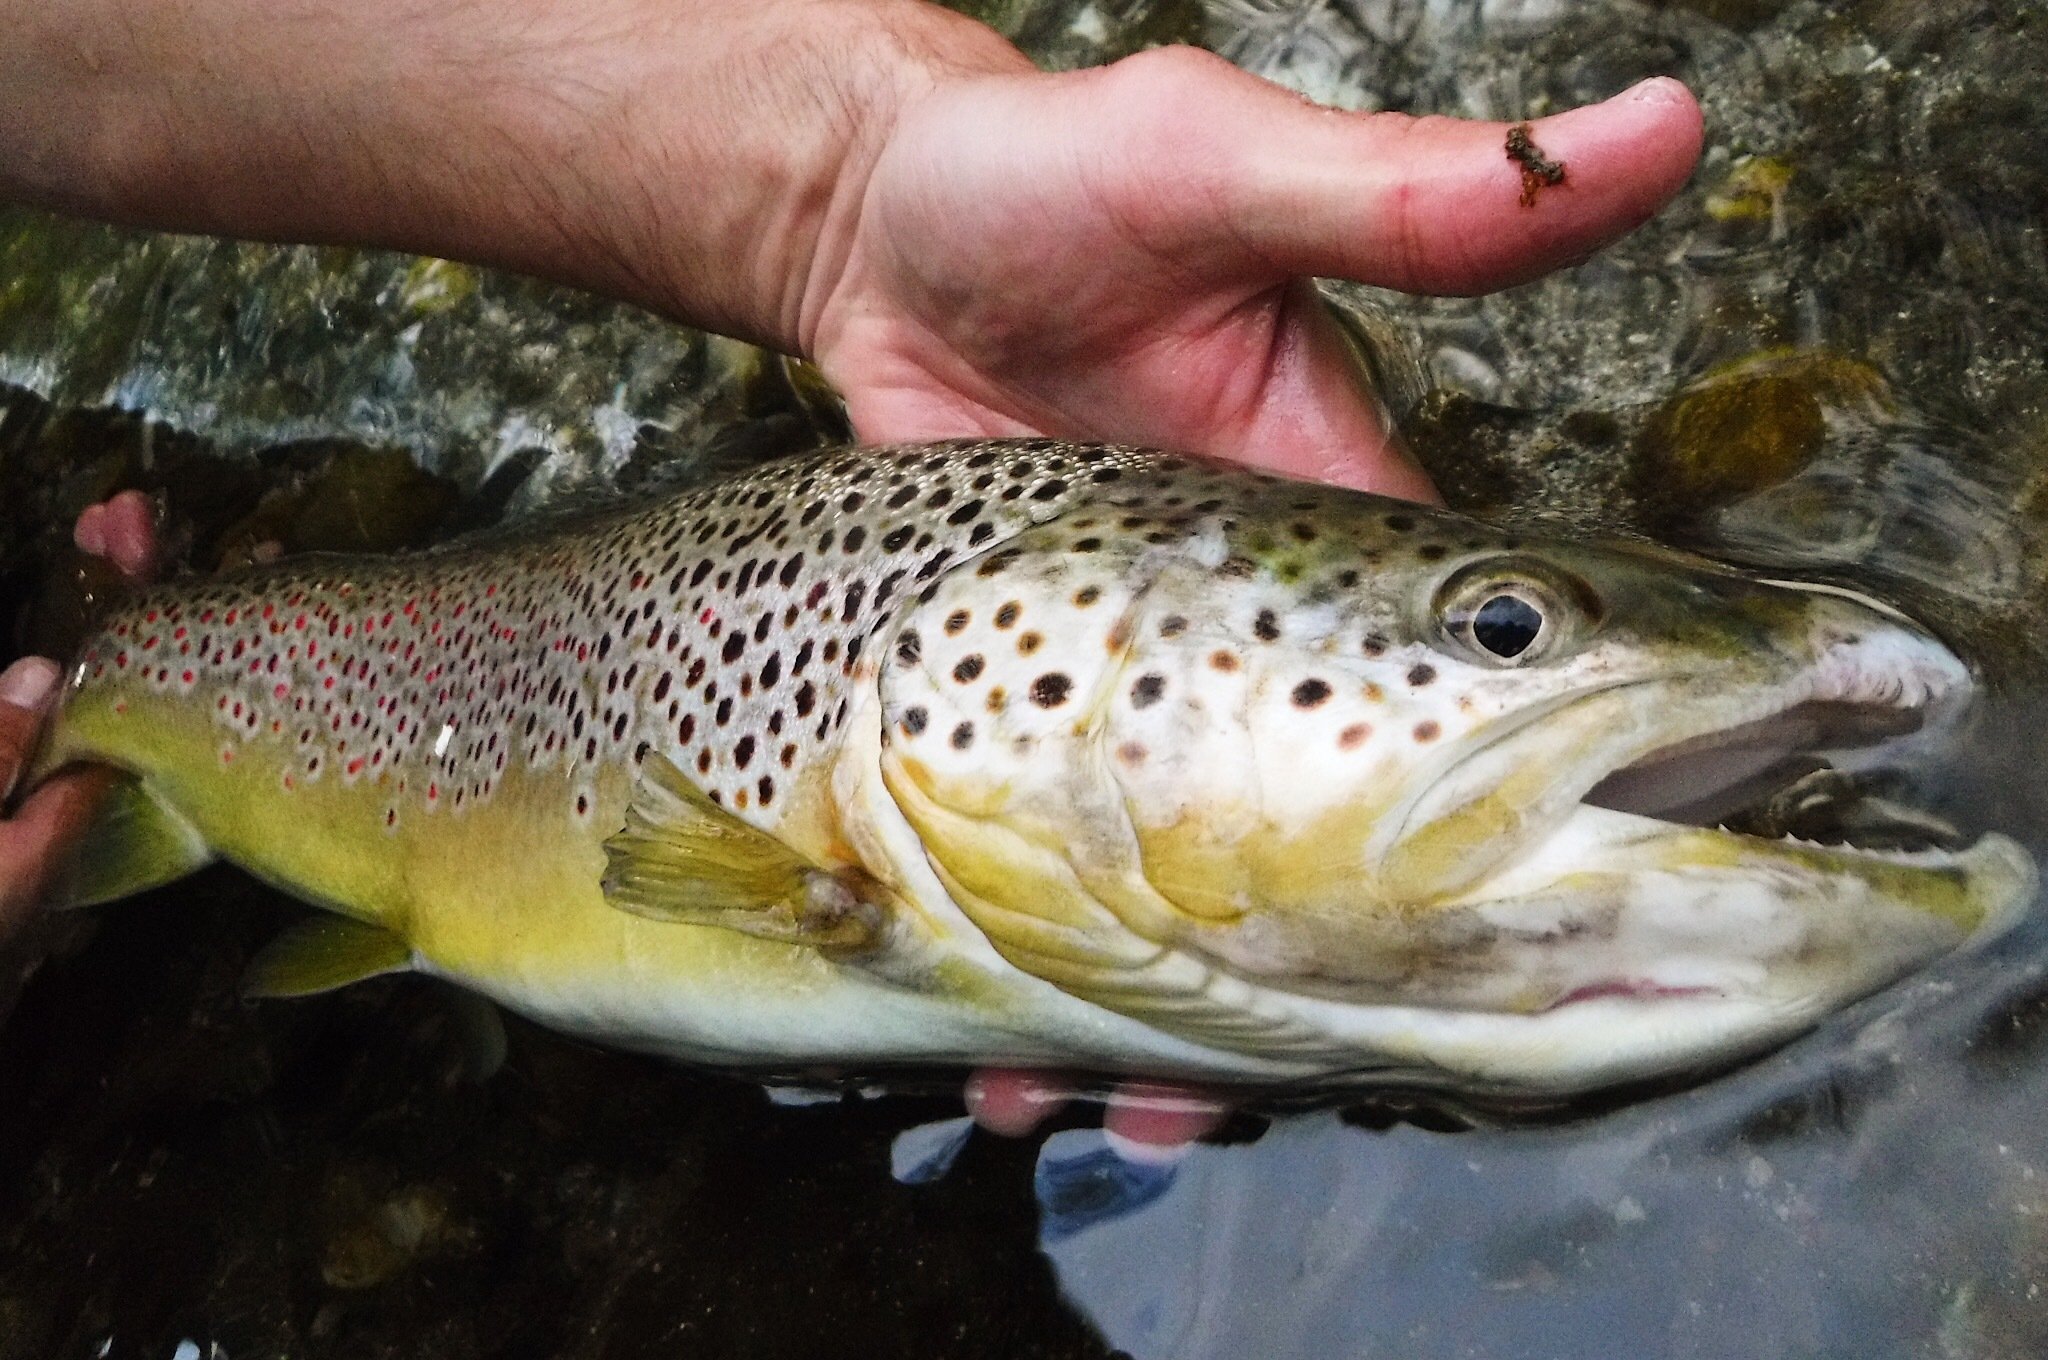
<point x="1179" y="206"/>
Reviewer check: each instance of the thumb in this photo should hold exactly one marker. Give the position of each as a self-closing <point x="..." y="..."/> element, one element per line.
<point x="1438" y="205"/>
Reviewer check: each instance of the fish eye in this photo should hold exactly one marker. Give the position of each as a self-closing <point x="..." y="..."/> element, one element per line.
<point x="1507" y="625"/>
<point x="1508" y="614"/>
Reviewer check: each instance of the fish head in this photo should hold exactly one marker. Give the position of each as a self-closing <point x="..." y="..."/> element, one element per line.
<point x="1376" y="788"/>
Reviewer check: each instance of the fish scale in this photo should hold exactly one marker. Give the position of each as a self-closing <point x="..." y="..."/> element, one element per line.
<point x="723" y="628"/>
<point x="1027" y="752"/>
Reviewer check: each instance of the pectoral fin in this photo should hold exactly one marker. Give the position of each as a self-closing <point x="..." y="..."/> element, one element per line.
<point x="133" y="843"/>
<point x="322" y="953"/>
<point x="683" y="858"/>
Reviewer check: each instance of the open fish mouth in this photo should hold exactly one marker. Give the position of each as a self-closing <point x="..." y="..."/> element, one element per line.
<point x="1771" y="850"/>
<point x="1802" y="774"/>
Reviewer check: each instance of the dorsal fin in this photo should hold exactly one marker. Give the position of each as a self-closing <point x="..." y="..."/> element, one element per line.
<point x="684" y="859"/>
<point x="322" y="953"/>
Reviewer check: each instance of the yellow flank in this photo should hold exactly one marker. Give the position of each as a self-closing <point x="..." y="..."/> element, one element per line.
<point x="504" y="894"/>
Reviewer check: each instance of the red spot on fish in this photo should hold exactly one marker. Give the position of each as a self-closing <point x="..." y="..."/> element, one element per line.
<point x="356" y="766"/>
<point x="279" y="690"/>
<point x="188" y="677"/>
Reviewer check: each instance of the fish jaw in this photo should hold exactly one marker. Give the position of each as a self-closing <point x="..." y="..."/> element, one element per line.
<point x="1304" y="824"/>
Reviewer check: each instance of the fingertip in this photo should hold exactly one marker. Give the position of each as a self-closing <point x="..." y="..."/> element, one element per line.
<point x="1012" y="1101"/>
<point x="89" y="534"/>
<point x="29" y="683"/>
<point x="130" y="533"/>
<point x="1152" y="1123"/>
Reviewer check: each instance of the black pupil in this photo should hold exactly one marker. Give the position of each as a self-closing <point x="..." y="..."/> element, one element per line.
<point x="1506" y="625"/>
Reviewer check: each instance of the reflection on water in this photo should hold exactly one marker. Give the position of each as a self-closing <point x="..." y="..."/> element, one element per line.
<point x="1825" y="358"/>
<point x="1865" y="1193"/>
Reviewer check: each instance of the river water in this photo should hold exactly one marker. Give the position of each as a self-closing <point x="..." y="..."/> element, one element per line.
<point x="1825" y="358"/>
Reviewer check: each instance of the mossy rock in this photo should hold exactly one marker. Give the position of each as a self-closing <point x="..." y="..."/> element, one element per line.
<point x="1751" y="424"/>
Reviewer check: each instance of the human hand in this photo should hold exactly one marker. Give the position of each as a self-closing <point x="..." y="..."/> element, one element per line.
<point x="1123" y="253"/>
<point x="37" y="833"/>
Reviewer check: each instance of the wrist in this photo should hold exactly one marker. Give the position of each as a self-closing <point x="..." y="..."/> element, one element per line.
<point x="701" y="157"/>
<point x="738" y="205"/>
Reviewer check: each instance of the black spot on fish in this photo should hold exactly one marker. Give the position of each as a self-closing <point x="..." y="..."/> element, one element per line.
<point x="1420" y="675"/>
<point x="968" y="669"/>
<point x="1266" y="627"/>
<point x="1147" y="690"/>
<point x="1051" y="689"/>
<point x="963" y="736"/>
<point x="1310" y="693"/>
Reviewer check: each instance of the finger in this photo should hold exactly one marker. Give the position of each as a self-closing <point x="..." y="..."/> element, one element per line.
<point x="25" y="690"/>
<point x="1012" y="1101"/>
<point x="1425" y="205"/>
<point x="35" y="840"/>
<point x="1436" y="205"/>
<point x="122" y="530"/>
<point x="1152" y="1122"/>
<point x="1314" y="415"/>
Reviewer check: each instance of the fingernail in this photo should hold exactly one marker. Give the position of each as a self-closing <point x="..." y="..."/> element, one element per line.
<point x="1656" y="90"/>
<point x="28" y="682"/>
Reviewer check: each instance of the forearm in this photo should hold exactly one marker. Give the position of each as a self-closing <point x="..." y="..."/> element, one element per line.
<point x="697" y="156"/>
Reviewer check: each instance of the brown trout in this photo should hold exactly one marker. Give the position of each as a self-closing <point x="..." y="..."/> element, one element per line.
<point x="1034" y="753"/>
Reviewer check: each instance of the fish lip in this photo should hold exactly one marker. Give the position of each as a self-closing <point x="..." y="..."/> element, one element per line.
<point x="1633" y="989"/>
<point x="1874" y="713"/>
<point x="1878" y="665"/>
